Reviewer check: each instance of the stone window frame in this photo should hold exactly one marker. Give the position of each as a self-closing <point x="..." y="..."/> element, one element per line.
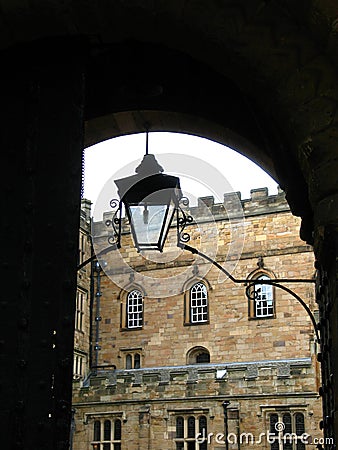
<point x="99" y="430"/>
<point x="79" y="364"/>
<point x="123" y="297"/>
<point x="256" y="274"/>
<point x="80" y="309"/>
<point x="136" y="358"/>
<point x="193" y="353"/>
<point x="280" y="412"/>
<point x="134" y="309"/>
<point x="187" y="440"/>
<point x="187" y="317"/>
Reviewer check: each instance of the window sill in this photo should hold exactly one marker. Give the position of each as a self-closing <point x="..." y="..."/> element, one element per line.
<point x="194" y="324"/>
<point x="131" y="329"/>
<point x="262" y="318"/>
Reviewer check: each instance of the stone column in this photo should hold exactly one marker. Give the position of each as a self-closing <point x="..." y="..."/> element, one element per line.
<point x="41" y="138"/>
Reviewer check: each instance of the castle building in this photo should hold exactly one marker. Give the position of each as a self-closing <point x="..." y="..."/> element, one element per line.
<point x="184" y="358"/>
<point x="82" y="328"/>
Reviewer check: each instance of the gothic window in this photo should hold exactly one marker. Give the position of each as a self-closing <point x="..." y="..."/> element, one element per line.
<point x="107" y="434"/>
<point x="287" y="429"/>
<point x="198" y="303"/>
<point x="261" y="302"/>
<point x="263" y="298"/>
<point x="137" y="361"/>
<point x="187" y="428"/>
<point x="134" y="309"/>
<point x="132" y="358"/>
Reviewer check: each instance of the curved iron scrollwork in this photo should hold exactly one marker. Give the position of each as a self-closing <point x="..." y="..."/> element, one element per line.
<point x="183" y="220"/>
<point x="115" y="222"/>
<point x="250" y="284"/>
<point x="252" y="294"/>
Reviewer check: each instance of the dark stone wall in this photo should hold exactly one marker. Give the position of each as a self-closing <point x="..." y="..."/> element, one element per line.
<point x="41" y="147"/>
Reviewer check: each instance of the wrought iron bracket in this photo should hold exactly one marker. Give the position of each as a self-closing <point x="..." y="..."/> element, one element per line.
<point x="277" y="282"/>
<point x="183" y="219"/>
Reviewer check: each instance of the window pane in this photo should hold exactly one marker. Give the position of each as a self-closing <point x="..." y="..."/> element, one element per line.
<point x="198" y="303"/>
<point x="203" y="358"/>
<point x="179" y="445"/>
<point x="97" y="430"/>
<point x="191" y="446"/>
<point x="179" y="427"/>
<point x="107" y="430"/>
<point x="106" y="447"/>
<point x="129" y="361"/>
<point x="300" y="429"/>
<point x="137" y="361"/>
<point x="202" y="424"/>
<point x="263" y="298"/>
<point x="287" y="423"/>
<point x="287" y="442"/>
<point x="117" y="430"/>
<point x="191" y="427"/>
<point x="202" y="428"/>
<point x="117" y="446"/>
<point x="273" y="421"/>
<point x="134" y="309"/>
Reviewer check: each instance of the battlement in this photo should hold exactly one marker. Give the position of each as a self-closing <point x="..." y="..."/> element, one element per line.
<point x="259" y="203"/>
<point x="274" y="376"/>
<point x="232" y="207"/>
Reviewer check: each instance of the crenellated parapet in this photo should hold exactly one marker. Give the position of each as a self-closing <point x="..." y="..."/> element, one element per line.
<point x="265" y="377"/>
<point x="232" y="207"/>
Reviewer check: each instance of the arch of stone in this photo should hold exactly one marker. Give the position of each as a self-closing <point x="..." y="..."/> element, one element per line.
<point x="259" y="76"/>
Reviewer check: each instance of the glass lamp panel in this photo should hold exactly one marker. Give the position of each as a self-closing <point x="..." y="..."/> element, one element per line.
<point x="167" y="222"/>
<point x="150" y="221"/>
<point x="147" y="222"/>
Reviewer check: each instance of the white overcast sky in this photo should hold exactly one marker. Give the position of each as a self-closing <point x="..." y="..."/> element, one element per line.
<point x="199" y="163"/>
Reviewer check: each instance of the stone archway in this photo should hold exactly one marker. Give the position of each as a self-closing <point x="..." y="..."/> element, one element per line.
<point x="274" y="62"/>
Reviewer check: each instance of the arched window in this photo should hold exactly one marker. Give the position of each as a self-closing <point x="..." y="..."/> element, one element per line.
<point x="198" y="355"/>
<point x="134" y="309"/>
<point x="137" y="361"/>
<point x="263" y="298"/>
<point x="133" y="360"/>
<point x="107" y="430"/>
<point x="198" y="303"/>
<point x="117" y="430"/>
<point x="203" y="358"/>
<point x="179" y="427"/>
<point x="97" y="430"/>
<point x="191" y="427"/>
